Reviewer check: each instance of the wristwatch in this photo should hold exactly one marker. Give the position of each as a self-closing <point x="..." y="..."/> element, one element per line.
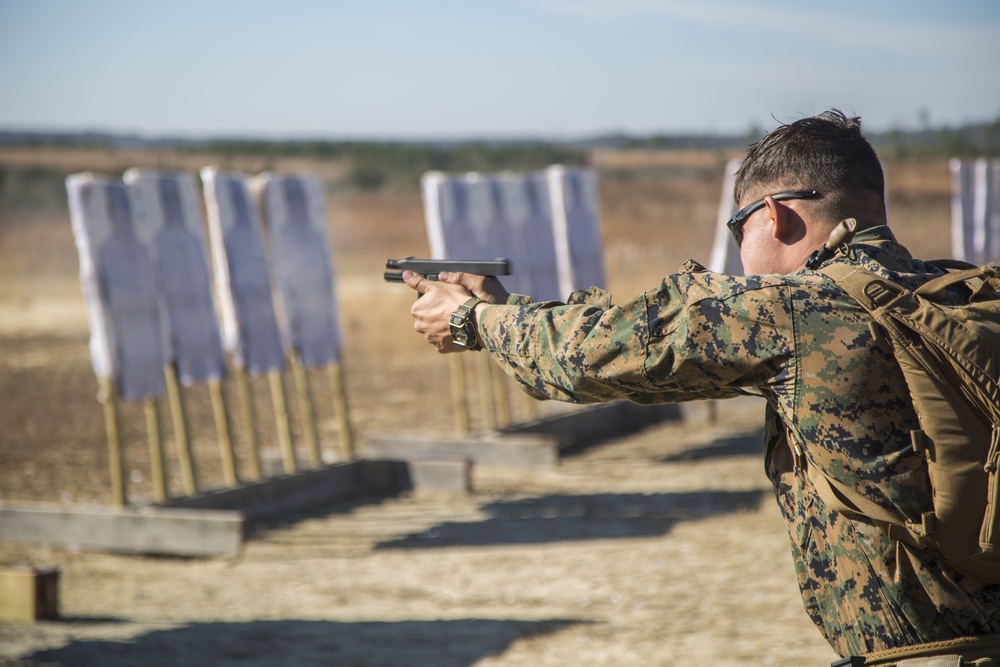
<point x="463" y="329"/>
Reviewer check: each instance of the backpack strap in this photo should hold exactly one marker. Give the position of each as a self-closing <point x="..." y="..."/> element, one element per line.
<point x="873" y="293"/>
<point x="984" y="279"/>
<point x="950" y="264"/>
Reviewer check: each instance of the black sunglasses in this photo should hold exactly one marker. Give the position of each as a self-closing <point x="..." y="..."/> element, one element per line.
<point x="736" y="222"/>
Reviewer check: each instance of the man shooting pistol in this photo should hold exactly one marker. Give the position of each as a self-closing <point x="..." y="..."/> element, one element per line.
<point x="841" y="420"/>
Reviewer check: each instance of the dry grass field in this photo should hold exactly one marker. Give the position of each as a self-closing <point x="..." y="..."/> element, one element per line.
<point x="663" y="548"/>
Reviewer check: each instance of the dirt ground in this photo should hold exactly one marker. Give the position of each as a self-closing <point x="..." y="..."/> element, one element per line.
<point x="661" y="548"/>
<point x="664" y="548"/>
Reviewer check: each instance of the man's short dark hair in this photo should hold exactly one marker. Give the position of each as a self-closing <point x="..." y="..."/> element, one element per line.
<point x="826" y="153"/>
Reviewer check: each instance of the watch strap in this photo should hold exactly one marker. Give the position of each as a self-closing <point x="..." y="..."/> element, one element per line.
<point x="461" y="319"/>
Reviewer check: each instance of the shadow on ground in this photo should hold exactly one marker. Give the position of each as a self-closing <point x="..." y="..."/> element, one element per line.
<point x="560" y="518"/>
<point x="750" y="444"/>
<point x="304" y="643"/>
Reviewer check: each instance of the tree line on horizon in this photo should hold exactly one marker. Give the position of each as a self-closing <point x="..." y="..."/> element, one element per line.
<point x="378" y="164"/>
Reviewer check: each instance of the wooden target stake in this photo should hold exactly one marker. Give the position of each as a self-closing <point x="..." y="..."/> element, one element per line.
<point x="340" y="408"/>
<point x="156" y="468"/>
<point x="459" y="396"/>
<point x="486" y="395"/>
<point x="281" y="421"/>
<point x="306" y="413"/>
<point x="222" y="430"/>
<point x="189" y="478"/>
<point x="108" y="398"/>
<point x="249" y="421"/>
<point x="499" y="379"/>
<point x="531" y="406"/>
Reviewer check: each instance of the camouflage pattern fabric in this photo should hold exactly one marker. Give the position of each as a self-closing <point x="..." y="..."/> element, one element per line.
<point x="836" y="399"/>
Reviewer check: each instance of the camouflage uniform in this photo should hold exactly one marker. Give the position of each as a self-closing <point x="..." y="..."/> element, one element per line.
<point x="836" y="399"/>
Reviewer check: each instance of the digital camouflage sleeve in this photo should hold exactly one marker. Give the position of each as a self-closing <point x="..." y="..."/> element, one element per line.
<point x="836" y="399"/>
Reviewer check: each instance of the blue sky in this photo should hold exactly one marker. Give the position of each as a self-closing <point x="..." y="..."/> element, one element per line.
<point x="438" y="68"/>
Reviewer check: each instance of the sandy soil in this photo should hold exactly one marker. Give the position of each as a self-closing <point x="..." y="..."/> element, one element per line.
<point x="663" y="548"/>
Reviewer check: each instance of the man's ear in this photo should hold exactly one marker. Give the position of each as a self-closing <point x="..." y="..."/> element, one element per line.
<point x="786" y="226"/>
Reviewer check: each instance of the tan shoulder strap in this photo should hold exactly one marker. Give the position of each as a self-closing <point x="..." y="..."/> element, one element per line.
<point x="986" y="280"/>
<point x="840" y="270"/>
<point x="872" y="293"/>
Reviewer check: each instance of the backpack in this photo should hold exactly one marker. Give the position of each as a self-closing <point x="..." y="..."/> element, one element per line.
<point x="950" y="357"/>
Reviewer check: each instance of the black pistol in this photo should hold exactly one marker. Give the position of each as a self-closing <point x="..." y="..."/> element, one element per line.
<point x="430" y="268"/>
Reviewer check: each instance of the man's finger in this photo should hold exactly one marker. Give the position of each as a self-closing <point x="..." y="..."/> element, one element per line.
<point x="416" y="281"/>
<point x="487" y="288"/>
